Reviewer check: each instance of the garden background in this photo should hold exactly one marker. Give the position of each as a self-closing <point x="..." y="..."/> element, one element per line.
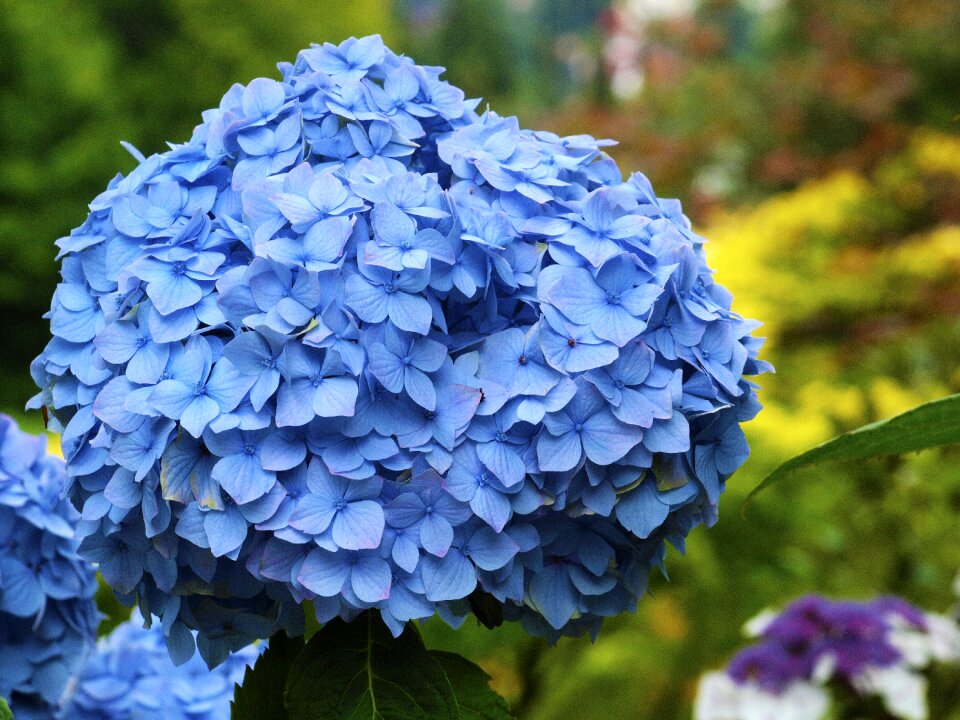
<point x="816" y="143"/>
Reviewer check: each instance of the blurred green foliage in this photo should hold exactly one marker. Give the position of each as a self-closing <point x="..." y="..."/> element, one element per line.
<point x="741" y="99"/>
<point x="112" y="613"/>
<point x="832" y="119"/>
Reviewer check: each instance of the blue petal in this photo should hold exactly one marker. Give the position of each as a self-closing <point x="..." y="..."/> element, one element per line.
<point x="451" y="577"/>
<point x="436" y="534"/>
<point x="553" y="595"/>
<point x="370" y="578"/>
<point x="359" y="525"/>
<point x="335" y="397"/>
<point x="492" y="506"/>
<point x="226" y="530"/>
<point x="491" y="550"/>
<point x="405" y="552"/>
<point x="606" y="439"/>
<point x="324" y="572"/>
<point x="557" y="454"/>
<point x="21" y="594"/>
<point x="313" y="514"/>
<point x="640" y="510"/>
<point x="243" y="477"/>
<point x="502" y="461"/>
<point x="409" y="312"/>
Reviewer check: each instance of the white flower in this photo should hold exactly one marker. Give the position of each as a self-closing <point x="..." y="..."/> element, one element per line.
<point x="904" y="693"/>
<point x="756" y="625"/>
<point x="944" y="636"/>
<point x="940" y="640"/>
<point x="719" y="697"/>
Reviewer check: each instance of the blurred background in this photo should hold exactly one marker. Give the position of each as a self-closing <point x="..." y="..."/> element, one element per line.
<point x="816" y="143"/>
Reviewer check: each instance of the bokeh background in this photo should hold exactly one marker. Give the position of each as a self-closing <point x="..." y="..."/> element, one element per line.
<point x="816" y="143"/>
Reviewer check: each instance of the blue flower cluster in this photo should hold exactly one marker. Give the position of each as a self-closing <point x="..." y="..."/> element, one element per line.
<point x="356" y="343"/>
<point x="48" y="618"/>
<point x="131" y="677"/>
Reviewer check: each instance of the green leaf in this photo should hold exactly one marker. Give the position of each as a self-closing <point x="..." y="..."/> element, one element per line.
<point x="930" y="425"/>
<point x="5" y="712"/>
<point x="487" y="609"/>
<point x="471" y="685"/>
<point x="359" y="671"/>
<point x="261" y="695"/>
<point x="113" y="611"/>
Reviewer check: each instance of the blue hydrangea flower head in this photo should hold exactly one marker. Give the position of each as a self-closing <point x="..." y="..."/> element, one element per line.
<point x="48" y="618"/>
<point x="131" y="676"/>
<point x="356" y="343"/>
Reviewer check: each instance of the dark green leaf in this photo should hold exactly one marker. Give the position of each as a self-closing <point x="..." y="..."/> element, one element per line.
<point x="358" y="671"/>
<point x="471" y="685"/>
<point x="487" y="608"/>
<point x="5" y="713"/>
<point x="310" y="623"/>
<point x="930" y="425"/>
<point x="261" y="695"/>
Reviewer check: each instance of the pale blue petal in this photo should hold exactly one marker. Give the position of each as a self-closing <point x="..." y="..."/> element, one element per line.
<point x="557" y="454"/>
<point x="370" y="578"/>
<point x="324" y="572"/>
<point x="640" y="510"/>
<point x="451" y="577"/>
<point x="243" y="477"/>
<point x="226" y="530"/>
<point x="436" y="534"/>
<point x="359" y="525"/>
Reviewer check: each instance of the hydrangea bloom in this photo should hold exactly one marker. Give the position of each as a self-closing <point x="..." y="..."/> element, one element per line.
<point x="356" y="343"/>
<point x="131" y="676"/>
<point x="48" y="618"/>
<point x="865" y="648"/>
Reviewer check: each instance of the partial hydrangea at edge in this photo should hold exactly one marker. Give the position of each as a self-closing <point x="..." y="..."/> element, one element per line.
<point x="131" y="677"/>
<point x="48" y="618"/>
<point x="358" y="344"/>
<point x="817" y="648"/>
